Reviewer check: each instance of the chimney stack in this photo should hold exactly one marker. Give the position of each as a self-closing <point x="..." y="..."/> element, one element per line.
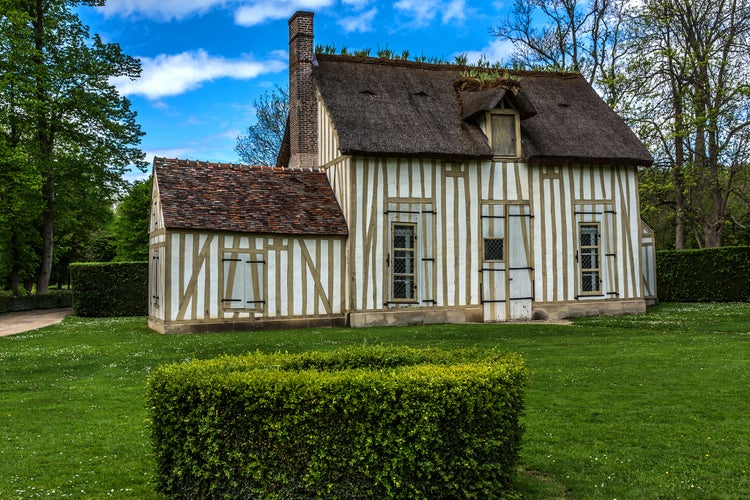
<point x="303" y="106"/>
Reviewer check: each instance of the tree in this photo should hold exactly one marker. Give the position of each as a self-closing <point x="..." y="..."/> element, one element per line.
<point x="73" y="127"/>
<point x="20" y="185"/>
<point x="261" y="144"/>
<point x="692" y="66"/>
<point x="19" y="212"/>
<point x="678" y="71"/>
<point x="570" y="35"/>
<point x="133" y="215"/>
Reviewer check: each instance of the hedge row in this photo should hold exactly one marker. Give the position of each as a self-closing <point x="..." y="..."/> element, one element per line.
<point x="50" y="300"/>
<point x="708" y="275"/>
<point x="361" y="422"/>
<point x="103" y="289"/>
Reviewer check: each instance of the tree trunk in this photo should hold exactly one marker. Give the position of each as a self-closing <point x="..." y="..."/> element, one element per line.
<point x="47" y="237"/>
<point x="679" y="213"/>
<point x="45" y="145"/>
<point x="713" y="234"/>
<point x="678" y="175"/>
<point x="713" y="222"/>
<point x="15" y="265"/>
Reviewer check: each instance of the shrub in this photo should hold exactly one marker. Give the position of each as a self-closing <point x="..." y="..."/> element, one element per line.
<point x="360" y="422"/>
<point x="708" y="275"/>
<point x="50" y="300"/>
<point x="110" y="288"/>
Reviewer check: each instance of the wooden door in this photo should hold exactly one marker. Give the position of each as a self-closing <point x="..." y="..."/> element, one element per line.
<point x="507" y="291"/>
<point x="520" y="276"/>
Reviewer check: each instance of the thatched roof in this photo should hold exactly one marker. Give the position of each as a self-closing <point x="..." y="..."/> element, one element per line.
<point x="398" y="108"/>
<point x="239" y="198"/>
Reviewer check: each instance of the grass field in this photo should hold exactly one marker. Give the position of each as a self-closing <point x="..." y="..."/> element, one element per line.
<point x="651" y="406"/>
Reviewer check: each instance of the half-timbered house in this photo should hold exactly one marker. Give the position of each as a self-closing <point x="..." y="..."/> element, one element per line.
<point x="234" y="246"/>
<point x="412" y="193"/>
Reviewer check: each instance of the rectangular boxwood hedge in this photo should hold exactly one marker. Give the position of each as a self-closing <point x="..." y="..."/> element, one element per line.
<point x="708" y="275"/>
<point x="104" y="289"/>
<point x="50" y="300"/>
<point x="365" y="422"/>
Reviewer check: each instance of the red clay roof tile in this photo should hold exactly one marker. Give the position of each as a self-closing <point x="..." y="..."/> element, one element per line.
<point x="240" y="198"/>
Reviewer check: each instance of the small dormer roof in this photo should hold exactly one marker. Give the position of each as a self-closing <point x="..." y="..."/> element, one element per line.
<point x="483" y="98"/>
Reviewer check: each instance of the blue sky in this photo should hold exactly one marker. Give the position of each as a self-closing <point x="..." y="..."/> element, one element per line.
<point x="205" y="61"/>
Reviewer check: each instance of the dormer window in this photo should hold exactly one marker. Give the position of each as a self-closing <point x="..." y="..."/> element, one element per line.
<point x="503" y="130"/>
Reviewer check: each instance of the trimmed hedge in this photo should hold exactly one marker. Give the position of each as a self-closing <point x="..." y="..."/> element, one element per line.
<point x="708" y="275"/>
<point x="50" y="300"/>
<point x="103" y="289"/>
<point x="368" y="422"/>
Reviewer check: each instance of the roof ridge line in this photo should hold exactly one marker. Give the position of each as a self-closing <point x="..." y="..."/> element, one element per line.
<point x="184" y="161"/>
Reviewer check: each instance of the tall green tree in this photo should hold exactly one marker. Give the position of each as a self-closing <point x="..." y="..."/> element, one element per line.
<point x="261" y="144"/>
<point x="74" y="127"/>
<point x="20" y="184"/>
<point x="679" y="72"/>
<point x="133" y="214"/>
<point x="691" y="62"/>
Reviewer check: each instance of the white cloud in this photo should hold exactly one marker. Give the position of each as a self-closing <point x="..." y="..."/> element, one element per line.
<point x="454" y="10"/>
<point x="169" y="75"/>
<point x="282" y="55"/>
<point x="498" y="50"/>
<point x="361" y="23"/>
<point x="357" y="4"/>
<point x="230" y="133"/>
<point x="424" y="11"/>
<point x="260" y="11"/>
<point x="162" y="10"/>
<point x="246" y="12"/>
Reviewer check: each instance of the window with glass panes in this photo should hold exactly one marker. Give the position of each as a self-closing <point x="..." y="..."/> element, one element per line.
<point x="589" y="258"/>
<point x="404" y="259"/>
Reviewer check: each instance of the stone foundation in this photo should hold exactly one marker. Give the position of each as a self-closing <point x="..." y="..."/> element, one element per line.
<point x="561" y="310"/>
<point x="552" y="311"/>
<point x="425" y="316"/>
<point x="247" y="324"/>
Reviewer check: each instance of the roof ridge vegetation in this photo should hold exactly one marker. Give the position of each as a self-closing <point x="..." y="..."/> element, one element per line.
<point x="435" y="64"/>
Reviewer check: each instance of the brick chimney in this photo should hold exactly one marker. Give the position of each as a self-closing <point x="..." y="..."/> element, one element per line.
<point x="303" y="106"/>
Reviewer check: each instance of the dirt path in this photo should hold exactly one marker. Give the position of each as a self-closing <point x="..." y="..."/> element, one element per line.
<point x="31" y="320"/>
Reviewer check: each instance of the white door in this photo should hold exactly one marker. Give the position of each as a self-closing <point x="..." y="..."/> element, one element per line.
<point x="520" y="279"/>
<point x="507" y="291"/>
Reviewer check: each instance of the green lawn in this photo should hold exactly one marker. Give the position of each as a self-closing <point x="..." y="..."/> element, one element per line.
<point x="653" y="406"/>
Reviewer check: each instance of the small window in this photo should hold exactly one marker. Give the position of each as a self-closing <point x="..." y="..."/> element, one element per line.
<point x="502" y="132"/>
<point x="493" y="249"/>
<point x="590" y="250"/>
<point x="404" y="256"/>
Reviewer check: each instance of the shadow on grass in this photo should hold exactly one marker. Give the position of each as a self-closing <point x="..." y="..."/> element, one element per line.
<point x="533" y="485"/>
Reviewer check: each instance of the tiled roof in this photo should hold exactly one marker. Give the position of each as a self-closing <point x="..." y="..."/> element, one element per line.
<point x="240" y="198"/>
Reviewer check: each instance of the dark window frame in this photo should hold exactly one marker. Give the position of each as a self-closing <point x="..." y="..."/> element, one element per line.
<point x="590" y="277"/>
<point x="491" y="244"/>
<point x="407" y="276"/>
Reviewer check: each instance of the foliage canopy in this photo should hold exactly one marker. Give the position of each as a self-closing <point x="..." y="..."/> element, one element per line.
<point x="65" y="132"/>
